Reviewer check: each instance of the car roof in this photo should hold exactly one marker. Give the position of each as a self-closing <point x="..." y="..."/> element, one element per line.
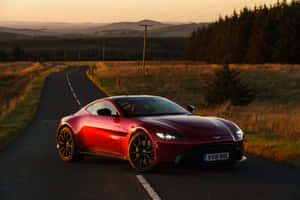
<point x="132" y="97"/>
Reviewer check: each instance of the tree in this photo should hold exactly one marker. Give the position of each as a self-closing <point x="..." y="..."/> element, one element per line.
<point x="227" y="85"/>
<point x="3" y="56"/>
<point x="265" y="34"/>
<point x="17" y="53"/>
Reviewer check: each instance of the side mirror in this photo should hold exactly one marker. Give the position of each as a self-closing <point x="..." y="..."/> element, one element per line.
<point x="191" y="108"/>
<point x="104" y="112"/>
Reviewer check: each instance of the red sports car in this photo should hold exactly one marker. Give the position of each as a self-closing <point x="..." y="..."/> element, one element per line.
<point x="147" y="130"/>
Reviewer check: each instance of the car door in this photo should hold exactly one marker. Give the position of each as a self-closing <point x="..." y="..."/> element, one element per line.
<point x="102" y="132"/>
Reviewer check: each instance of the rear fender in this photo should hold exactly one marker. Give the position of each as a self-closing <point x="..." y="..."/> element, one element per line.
<point x="74" y="124"/>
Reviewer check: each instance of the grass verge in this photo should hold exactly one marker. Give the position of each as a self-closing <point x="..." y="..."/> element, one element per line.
<point x="272" y="129"/>
<point x="14" y="123"/>
<point x="278" y="149"/>
<point x="96" y="80"/>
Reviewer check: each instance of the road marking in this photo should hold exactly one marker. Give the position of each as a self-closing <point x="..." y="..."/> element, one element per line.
<point x="148" y="187"/>
<point x="72" y="90"/>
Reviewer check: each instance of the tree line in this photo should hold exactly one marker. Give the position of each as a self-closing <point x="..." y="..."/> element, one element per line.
<point x="62" y="49"/>
<point x="265" y="34"/>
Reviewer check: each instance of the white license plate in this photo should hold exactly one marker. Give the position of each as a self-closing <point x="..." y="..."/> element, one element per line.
<point x="216" y="156"/>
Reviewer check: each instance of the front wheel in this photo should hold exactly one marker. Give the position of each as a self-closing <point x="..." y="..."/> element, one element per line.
<point x="66" y="145"/>
<point x="141" y="152"/>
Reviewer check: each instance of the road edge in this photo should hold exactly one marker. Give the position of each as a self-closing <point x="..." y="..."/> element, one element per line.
<point x="96" y="82"/>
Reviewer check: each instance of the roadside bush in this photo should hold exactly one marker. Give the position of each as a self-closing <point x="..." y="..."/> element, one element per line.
<point x="227" y="85"/>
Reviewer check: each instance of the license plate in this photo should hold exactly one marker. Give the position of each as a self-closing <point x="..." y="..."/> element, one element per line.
<point x="215" y="156"/>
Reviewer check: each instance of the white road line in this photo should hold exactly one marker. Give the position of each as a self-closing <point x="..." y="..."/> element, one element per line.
<point x="72" y="90"/>
<point x="148" y="187"/>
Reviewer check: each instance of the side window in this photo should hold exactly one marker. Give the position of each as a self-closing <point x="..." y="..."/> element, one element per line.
<point x="100" y="105"/>
<point x="111" y="108"/>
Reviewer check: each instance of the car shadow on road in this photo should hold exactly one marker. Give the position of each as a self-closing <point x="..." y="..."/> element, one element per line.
<point x="112" y="163"/>
<point x="162" y="168"/>
<point x="193" y="168"/>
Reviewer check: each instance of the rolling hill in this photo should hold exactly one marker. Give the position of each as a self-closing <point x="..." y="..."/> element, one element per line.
<point x="77" y="30"/>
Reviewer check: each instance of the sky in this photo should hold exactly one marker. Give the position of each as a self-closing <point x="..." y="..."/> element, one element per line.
<point x="121" y="10"/>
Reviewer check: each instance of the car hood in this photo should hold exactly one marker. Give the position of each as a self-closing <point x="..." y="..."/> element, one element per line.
<point x="193" y="127"/>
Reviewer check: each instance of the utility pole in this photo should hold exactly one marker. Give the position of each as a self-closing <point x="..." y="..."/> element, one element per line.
<point x="65" y="55"/>
<point x="79" y="55"/>
<point x="145" y="38"/>
<point x="103" y="49"/>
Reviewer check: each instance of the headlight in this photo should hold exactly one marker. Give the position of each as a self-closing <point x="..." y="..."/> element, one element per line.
<point x="240" y="134"/>
<point x="169" y="136"/>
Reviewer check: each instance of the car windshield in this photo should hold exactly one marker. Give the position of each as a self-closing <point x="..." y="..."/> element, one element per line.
<point x="149" y="106"/>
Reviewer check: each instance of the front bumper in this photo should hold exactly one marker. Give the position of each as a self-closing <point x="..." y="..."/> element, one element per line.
<point x="178" y="153"/>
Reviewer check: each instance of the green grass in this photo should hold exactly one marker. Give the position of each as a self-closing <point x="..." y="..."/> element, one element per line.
<point x="14" y="123"/>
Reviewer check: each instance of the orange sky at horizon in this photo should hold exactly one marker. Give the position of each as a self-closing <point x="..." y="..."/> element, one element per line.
<point x="121" y="10"/>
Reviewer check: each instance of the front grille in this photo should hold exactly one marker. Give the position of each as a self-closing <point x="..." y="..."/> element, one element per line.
<point x="196" y="155"/>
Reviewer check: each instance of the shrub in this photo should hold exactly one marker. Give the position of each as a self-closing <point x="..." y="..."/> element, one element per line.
<point x="227" y="85"/>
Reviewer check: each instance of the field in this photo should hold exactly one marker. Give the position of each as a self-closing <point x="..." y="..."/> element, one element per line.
<point x="271" y="122"/>
<point x="21" y="84"/>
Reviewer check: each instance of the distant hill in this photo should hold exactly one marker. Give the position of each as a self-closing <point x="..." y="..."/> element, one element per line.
<point x="8" y="35"/>
<point x="47" y="25"/>
<point x="182" y="30"/>
<point x="134" y="26"/>
<point x="77" y="30"/>
<point x="25" y="32"/>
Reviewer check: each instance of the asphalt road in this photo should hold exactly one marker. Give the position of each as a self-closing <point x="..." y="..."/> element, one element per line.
<point x="31" y="169"/>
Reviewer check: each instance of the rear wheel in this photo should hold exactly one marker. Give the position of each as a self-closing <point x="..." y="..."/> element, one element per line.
<point x="141" y="152"/>
<point x="66" y="145"/>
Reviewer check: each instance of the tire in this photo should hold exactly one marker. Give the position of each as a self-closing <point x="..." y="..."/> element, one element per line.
<point x="141" y="153"/>
<point x="66" y="145"/>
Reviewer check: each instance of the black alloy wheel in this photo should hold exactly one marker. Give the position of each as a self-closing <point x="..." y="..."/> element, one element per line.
<point x="141" y="152"/>
<point x="66" y="145"/>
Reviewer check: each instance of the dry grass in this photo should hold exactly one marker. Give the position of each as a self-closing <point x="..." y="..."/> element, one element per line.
<point x="276" y="84"/>
<point x="270" y="121"/>
<point x="15" y="81"/>
<point x="282" y="120"/>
